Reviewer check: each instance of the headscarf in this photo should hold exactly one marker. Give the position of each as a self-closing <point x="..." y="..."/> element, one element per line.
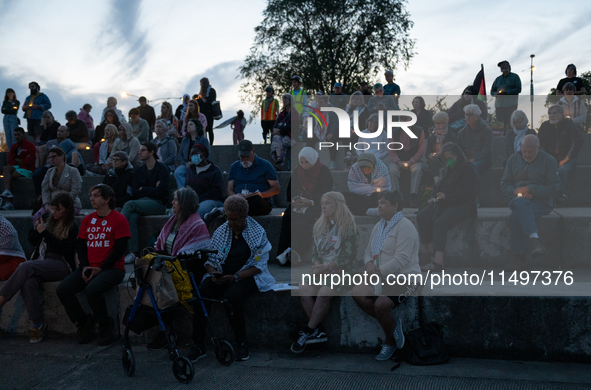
<point x="309" y="154"/>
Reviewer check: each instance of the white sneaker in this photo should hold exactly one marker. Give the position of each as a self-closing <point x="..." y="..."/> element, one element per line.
<point x="6" y="194"/>
<point x="8" y="206"/>
<point x="373" y="212"/>
<point x="130" y="258"/>
<point x="282" y="258"/>
<point x="331" y="167"/>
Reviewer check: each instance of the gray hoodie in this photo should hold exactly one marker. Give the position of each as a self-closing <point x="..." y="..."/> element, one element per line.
<point x="131" y="146"/>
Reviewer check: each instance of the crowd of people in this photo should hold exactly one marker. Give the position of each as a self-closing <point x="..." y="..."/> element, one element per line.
<point x="451" y="151"/>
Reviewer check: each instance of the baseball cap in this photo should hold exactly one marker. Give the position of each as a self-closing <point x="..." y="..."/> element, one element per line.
<point x="389" y="72"/>
<point x="244" y="148"/>
<point x="338" y="85"/>
<point x="269" y="88"/>
<point x="296" y="77"/>
<point x="502" y="62"/>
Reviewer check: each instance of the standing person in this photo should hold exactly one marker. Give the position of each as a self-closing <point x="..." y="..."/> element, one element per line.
<point x="506" y="88"/>
<point x="171" y="120"/>
<point x="78" y="130"/>
<point x="269" y="111"/>
<point x="364" y="89"/>
<point x="194" y="136"/>
<point x="207" y="96"/>
<point x="139" y="126"/>
<point x="238" y="270"/>
<point x="457" y="119"/>
<point x="166" y="145"/>
<point x="35" y="104"/>
<point x="49" y="127"/>
<point x="571" y="77"/>
<point x="380" y="101"/>
<point x="454" y="201"/>
<point x="391" y="88"/>
<point x="112" y="105"/>
<point x="21" y="163"/>
<point x="10" y="106"/>
<point x="147" y="113"/>
<point x="281" y="136"/>
<point x="338" y="98"/>
<point x="367" y="178"/>
<point x="84" y="116"/>
<point x="574" y="108"/>
<point x="101" y="245"/>
<point x="149" y="191"/>
<point x="52" y="261"/>
<point x="129" y="144"/>
<point x="119" y="178"/>
<point x="238" y="126"/>
<point x="11" y="251"/>
<point x="299" y="98"/>
<point x="392" y="249"/>
<point x="206" y="179"/>
<point x="334" y="251"/>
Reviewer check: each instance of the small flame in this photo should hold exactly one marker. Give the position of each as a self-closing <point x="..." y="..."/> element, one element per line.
<point x="519" y="194"/>
<point x="88" y="148"/>
<point x="406" y="165"/>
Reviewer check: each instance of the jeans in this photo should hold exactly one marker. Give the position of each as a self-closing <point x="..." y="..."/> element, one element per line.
<point x="482" y="167"/>
<point x="236" y="293"/>
<point x="433" y="228"/>
<point x="563" y="172"/>
<point x="180" y="175"/>
<point x="258" y="206"/>
<point x="523" y="221"/>
<point x="207" y="205"/>
<point x="29" y="278"/>
<point x="132" y="210"/>
<point x="10" y="123"/>
<point x="73" y="284"/>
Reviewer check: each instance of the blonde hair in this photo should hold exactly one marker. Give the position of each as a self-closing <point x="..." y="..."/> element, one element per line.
<point x="342" y="217"/>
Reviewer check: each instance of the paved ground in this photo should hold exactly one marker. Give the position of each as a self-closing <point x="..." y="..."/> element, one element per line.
<point x="62" y="364"/>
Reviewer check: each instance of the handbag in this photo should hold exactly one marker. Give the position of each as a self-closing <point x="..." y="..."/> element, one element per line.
<point x="160" y="281"/>
<point x="425" y="345"/>
<point x="216" y="110"/>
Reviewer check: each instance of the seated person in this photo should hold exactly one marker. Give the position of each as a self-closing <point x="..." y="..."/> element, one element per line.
<point x="119" y="178"/>
<point x="441" y="135"/>
<point x="78" y="130"/>
<point x="184" y="232"/>
<point x="381" y="102"/>
<point x="166" y="145"/>
<point x="514" y="136"/>
<point x="281" y="138"/>
<point x="100" y="246"/>
<point x="60" y="179"/>
<point x="111" y="118"/>
<point x="149" y="193"/>
<point x="571" y="77"/>
<point x="574" y="108"/>
<point x="334" y="251"/>
<point x="367" y="178"/>
<point x="53" y="260"/>
<point x="194" y="136"/>
<point x="324" y="132"/>
<point x="237" y="271"/>
<point x="129" y="144"/>
<point x="457" y="118"/>
<point x="357" y="107"/>
<point x="393" y="248"/>
<point x="309" y="181"/>
<point x="49" y="127"/>
<point x="84" y="115"/>
<point x="530" y="182"/>
<point x="254" y="179"/>
<point x="409" y="157"/>
<point x="139" y="126"/>
<point x="105" y="149"/>
<point x="167" y="115"/>
<point x="475" y="140"/>
<point x="21" y="163"/>
<point x="206" y="179"/>
<point x="561" y="139"/>
<point x="11" y="251"/>
<point x="193" y="113"/>
<point x="424" y="116"/>
<point x="453" y="201"/>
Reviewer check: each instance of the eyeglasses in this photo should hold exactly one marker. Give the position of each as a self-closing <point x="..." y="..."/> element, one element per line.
<point x="52" y="156"/>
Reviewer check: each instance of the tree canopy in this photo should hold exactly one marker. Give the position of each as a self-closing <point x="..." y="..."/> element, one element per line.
<point x="325" y="41"/>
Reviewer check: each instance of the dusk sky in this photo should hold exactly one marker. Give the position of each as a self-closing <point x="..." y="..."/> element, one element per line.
<point x="84" y="52"/>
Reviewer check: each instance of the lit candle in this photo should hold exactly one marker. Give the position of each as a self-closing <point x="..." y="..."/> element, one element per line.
<point x="282" y="213"/>
<point x="88" y="148"/>
<point x="519" y="194"/>
<point x="102" y="140"/>
<point x="406" y="165"/>
<point x="378" y="190"/>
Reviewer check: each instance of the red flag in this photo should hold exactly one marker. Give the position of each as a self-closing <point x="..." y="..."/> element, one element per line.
<point x="479" y="84"/>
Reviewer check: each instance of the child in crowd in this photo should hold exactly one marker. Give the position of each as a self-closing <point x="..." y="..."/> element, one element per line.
<point x="238" y="125"/>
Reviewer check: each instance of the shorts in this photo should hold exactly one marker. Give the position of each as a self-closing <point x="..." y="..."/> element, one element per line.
<point x="23" y="172"/>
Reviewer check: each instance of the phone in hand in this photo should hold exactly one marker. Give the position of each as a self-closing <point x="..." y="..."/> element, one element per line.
<point x="218" y="275"/>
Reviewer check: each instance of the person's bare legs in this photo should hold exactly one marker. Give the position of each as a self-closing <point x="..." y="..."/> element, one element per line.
<point x="383" y="309"/>
<point x="438" y="258"/>
<point x="321" y="307"/>
<point x="362" y="296"/>
<point x="75" y="159"/>
<point x="307" y="298"/>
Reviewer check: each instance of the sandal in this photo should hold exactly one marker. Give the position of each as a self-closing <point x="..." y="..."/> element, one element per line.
<point x="432" y="266"/>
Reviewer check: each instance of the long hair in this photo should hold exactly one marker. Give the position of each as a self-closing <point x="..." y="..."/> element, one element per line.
<point x="9" y="90"/>
<point x="188" y="204"/>
<point x="194" y="114"/>
<point x="61" y="228"/>
<point x="342" y="217"/>
<point x="44" y="120"/>
<point x="203" y="90"/>
<point x="446" y="173"/>
<point x="116" y="121"/>
<point x="170" y="112"/>
<point x="198" y="126"/>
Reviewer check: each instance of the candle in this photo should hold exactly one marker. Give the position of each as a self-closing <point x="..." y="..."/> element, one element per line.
<point x="102" y="140"/>
<point x="406" y="165"/>
<point x="519" y="194"/>
<point x="88" y="148"/>
<point x="378" y="190"/>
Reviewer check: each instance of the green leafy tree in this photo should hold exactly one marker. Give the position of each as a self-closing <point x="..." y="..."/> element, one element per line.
<point x="325" y="41"/>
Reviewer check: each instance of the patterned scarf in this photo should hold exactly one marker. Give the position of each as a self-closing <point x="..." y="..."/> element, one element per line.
<point x="380" y="170"/>
<point x="9" y="243"/>
<point x="383" y="231"/>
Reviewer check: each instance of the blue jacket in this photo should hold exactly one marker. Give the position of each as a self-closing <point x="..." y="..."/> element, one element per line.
<point x="41" y="100"/>
<point x="184" y="151"/>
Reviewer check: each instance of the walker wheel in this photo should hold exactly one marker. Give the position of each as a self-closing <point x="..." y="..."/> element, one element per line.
<point x="224" y="353"/>
<point x="183" y="369"/>
<point x="128" y="361"/>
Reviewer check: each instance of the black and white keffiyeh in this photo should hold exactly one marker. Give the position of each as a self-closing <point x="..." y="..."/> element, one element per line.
<point x="383" y="231"/>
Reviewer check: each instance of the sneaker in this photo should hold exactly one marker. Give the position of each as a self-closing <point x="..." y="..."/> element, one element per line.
<point x="372" y="212"/>
<point x="105" y="332"/>
<point x="299" y="345"/>
<point x="243" y="353"/>
<point x="538" y="248"/>
<point x="282" y="258"/>
<point x="85" y="333"/>
<point x="317" y="337"/>
<point x="213" y="214"/>
<point x="399" y="334"/>
<point x="159" y="342"/>
<point x="331" y="167"/>
<point x="8" y="206"/>
<point x="6" y="194"/>
<point x="130" y="258"/>
<point x="197" y="353"/>
<point x="37" y="334"/>
<point x="386" y="352"/>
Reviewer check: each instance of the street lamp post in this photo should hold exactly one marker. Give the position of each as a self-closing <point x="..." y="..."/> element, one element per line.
<point x="125" y="94"/>
<point x="531" y="89"/>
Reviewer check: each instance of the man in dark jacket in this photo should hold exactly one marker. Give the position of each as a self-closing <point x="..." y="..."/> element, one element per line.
<point x="475" y="139"/>
<point x="119" y="178"/>
<point x="148" y="114"/>
<point x="561" y="139"/>
<point x="149" y="191"/>
<point x="77" y="127"/>
<point x="530" y="182"/>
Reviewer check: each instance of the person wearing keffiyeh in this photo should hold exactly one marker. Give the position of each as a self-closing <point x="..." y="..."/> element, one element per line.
<point x="393" y="249"/>
<point x="441" y="135"/>
<point x="367" y="178"/>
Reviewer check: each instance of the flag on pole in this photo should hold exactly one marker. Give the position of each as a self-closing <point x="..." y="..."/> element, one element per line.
<point x="479" y="85"/>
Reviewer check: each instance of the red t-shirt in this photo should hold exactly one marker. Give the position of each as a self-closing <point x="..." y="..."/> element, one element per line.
<point x="100" y="235"/>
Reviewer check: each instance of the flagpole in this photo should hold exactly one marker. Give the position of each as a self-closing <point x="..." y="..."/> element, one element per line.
<point x="531" y="89"/>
